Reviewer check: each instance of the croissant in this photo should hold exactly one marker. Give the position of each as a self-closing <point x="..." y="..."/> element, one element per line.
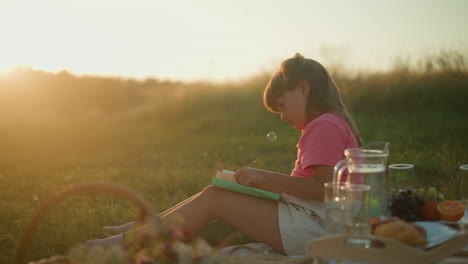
<point x="407" y="233"/>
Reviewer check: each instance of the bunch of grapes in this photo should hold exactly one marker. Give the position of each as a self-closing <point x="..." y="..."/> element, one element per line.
<point x="431" y="192"/>
<point x="407" y="206"/>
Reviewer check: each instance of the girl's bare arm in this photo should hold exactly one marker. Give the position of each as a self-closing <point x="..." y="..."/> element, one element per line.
<point x="307" y="188"/>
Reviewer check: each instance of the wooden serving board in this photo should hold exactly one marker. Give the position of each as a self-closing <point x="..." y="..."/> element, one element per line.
<point x="380" y="250"/>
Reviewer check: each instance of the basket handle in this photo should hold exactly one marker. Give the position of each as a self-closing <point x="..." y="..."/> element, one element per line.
<point x="94" y="188"/>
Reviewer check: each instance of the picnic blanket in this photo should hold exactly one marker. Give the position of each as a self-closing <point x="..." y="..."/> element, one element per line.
<point x="260" y="253"/>
<point x="264" y="254"/>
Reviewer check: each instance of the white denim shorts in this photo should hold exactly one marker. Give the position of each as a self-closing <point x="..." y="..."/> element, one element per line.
<point x="299" y="221"/>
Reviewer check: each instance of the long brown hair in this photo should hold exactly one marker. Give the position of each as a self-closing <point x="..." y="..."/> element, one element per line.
<point x="324" y="95"/>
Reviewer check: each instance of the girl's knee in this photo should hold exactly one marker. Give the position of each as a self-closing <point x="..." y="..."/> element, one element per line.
<point x="213" y="195"/>
<point x="210" y="191"/>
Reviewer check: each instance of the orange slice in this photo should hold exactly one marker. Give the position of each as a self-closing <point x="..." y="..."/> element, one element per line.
<point x="451" y="210"/>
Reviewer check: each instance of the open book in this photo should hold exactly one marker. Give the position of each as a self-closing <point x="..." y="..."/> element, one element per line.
<point x="225" y="179"/>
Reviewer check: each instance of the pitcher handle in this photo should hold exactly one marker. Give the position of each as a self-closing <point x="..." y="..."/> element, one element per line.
<point x="337" y="168"/>
<point x="340" y="172"/>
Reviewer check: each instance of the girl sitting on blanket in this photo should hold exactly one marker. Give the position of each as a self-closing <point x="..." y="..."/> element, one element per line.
<point x="305" y="95"/>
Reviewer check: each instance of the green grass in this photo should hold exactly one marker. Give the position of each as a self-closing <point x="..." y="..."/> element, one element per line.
<point x="166" y="140"/>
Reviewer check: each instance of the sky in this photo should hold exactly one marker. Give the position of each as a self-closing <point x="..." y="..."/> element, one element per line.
<point x="218" y="40"/>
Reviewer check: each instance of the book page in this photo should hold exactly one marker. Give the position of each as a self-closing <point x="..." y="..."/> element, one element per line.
<point x="226" y="175"/>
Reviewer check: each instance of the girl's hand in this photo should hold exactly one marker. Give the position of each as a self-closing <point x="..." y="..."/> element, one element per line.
<point x="246" y="176"/>
<point x="252" y="177"/>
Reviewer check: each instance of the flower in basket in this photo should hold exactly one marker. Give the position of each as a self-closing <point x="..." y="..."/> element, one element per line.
<point x="156" y="242"/>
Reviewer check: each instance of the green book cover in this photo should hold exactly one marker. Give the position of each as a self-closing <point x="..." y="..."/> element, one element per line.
<point x="236" y="187"/>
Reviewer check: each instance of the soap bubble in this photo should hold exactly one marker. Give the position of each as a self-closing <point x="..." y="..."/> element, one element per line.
<point x="271" y="136"/>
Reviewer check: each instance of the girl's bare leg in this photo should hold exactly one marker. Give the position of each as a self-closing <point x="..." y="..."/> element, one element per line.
<point x="114" y="230"/>
<point x="255" y="217"/>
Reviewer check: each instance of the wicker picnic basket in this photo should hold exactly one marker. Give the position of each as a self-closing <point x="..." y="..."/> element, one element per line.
<point x="145" y="213"/>
<point x="94" y="188"/>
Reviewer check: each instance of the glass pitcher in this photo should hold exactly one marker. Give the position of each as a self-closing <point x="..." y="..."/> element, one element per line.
<point x="367" y="166"/>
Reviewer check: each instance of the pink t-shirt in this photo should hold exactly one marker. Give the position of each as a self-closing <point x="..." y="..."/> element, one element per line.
<point x="323" y="142"/>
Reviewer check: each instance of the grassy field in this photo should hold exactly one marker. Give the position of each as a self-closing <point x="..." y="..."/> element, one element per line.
<point x="165" y="140"/>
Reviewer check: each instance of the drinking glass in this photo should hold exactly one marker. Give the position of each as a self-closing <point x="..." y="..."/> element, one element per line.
<point x="333" y="201"/>
<point x="356" y="209"/>
<point x="463" y="175"/>
<point x="401" y="176"/>
<point x="464" y="184"/>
